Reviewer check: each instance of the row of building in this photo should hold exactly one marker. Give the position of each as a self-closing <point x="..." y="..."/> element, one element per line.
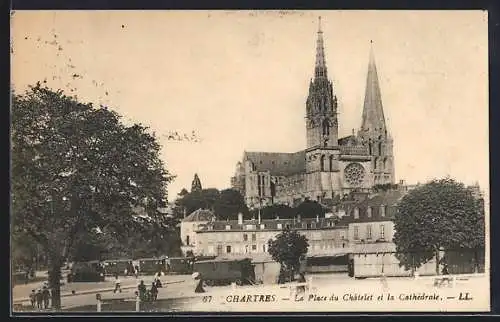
<point x="365" y="220"/>
<point x="361" y="227"/>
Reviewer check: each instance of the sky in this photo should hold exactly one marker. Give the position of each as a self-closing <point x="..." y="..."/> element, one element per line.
<point x="239" y="79"/>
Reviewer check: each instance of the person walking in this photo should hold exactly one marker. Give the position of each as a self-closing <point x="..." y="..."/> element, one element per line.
<point x="154" y="292"/>
<point x="445" y="274"/>
<point x="157" y="280"/>
<point x="39" y="299"/>
<point x="142" y="291"/>
<point x="33" y="299"/>
<point x="117" y="284"/>
<point x="46" y="297"/>
<point x="199" y="287"/>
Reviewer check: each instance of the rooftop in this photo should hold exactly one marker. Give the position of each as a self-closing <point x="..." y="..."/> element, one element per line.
<point x="387" y="199"/>
<point x="271" y="224"/>
<point x="200" y="215"/>
<point x="278" y="164"/>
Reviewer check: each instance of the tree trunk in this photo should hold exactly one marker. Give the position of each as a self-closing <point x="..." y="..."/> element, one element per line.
<point x="55" y="283"/>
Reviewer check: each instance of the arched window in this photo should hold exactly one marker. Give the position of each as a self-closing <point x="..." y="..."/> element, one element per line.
<point x="384" y="163"/>
<point x="322" y="163"/>
<point x="369" y="212"/>
<point x="370" y="149"/>
<point x="375" y="160"/>
<point x="326" y="127"/>
<point x="187" y="240"/>
<point x="331" y="162"/>
<point x="380" y="146"/>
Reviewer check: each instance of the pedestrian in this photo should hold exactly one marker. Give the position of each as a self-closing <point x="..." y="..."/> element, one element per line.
<point x="142" y="291"/>
<point x="445" y="274"/>
<point x="157" y="280"/>
<point x="39" y="299"/>
<point x="117" y="284"/>
<point x="136" y="271"/>
<point x="46" y="297"/>
<point x="199" y="287"/>
<point x="154" y="292"/>
<point x="33" y="298"/>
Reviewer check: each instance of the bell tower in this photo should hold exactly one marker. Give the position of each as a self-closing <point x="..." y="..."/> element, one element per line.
<point x="322" y="151"/>
<point x="321" y="104"/>
<point x="374" y="132"/>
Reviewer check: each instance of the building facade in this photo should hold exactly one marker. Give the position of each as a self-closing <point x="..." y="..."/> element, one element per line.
<point x="250" y="237"/>
<point x="190" y="225"/>
<point x="329" y="165"/>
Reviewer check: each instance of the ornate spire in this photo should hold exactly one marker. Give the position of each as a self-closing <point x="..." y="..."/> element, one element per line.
<point x="373" y="112"/>
<point x="196" y="183"/>
<point x="320" y="67"/>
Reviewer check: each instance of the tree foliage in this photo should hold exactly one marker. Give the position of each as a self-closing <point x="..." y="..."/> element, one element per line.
<point x="272" y="211"/>
<point x="24" y="250"/>
<point x="310" y="209"/>
<point x="76" y="167"/>
<point x="229" y="203"/>
<point x="225" y="204"/>
<point x="442" y="214"/>
<point x="287" y="248"/>
<point x="204" y="199"/>
<point x="182" y="193"/>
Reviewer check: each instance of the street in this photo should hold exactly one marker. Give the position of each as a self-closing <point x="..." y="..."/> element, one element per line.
<point x="178" y="294"/>
<point x="89" y="290"/>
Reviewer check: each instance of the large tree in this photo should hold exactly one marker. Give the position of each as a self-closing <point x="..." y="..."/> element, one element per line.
<point x="287" y="248"/>
<point x="195" y="200"/>
<point x="24" y="251"/>
<point x="229" y="203"/>
<point x="310" y="209"/>
<point x="440" y="215"/>
<point x="75" y="168"/>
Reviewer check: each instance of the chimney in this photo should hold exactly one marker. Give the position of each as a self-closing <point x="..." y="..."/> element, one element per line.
<point x="240" y="219"/>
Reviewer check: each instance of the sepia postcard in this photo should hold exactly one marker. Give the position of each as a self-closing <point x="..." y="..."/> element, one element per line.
<point x="249" y="161"/>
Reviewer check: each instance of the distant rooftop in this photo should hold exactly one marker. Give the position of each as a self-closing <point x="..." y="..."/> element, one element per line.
<point x="270" y="224"/>
<point x="200" y="215"/>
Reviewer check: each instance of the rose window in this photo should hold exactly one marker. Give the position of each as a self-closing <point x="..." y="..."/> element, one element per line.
<point x="354" y="174"/>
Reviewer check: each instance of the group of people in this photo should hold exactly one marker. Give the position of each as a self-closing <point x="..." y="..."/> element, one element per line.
<point x="150" y="295"/>
<point x="132" y="270"/>
<point x="142" y="287"/>
<point x="40" y="298"/>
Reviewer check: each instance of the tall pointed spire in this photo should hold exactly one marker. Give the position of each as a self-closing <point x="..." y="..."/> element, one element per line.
<point x="373" y="112"/>
<point x="196" y="183"/>
<point x="320" y="67"/>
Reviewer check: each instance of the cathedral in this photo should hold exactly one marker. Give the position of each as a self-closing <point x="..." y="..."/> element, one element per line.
<point x="329" y="167"/>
